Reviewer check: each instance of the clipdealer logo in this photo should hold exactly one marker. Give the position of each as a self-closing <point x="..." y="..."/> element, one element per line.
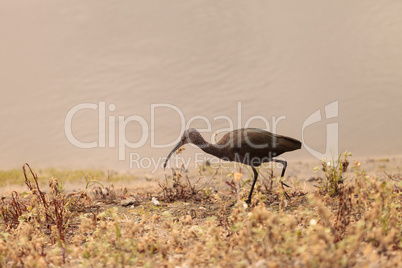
<point x="107" y="125"/>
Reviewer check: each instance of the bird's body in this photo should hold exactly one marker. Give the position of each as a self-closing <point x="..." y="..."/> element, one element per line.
<point x="250" y="146"/>
<point x="253" y="146"/>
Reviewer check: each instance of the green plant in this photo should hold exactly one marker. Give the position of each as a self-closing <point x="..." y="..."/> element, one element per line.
<point x="90" y="182"/>
<point x="333" y="171"/>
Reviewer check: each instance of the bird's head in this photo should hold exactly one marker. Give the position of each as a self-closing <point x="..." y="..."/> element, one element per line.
<point x="191" y="135"/>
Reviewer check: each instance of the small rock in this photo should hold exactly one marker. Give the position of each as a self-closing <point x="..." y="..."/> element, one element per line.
<point x="127" y="202"/>
<point x="155" y="201"/>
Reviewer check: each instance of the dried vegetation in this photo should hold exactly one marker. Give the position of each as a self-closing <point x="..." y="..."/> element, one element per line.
<point x="344" y="223"/>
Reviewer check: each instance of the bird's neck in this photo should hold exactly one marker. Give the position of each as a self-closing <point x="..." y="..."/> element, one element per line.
<point x="208" y="147"/>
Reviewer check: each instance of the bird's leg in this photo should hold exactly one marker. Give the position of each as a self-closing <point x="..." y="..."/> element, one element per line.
<point x="284" y="163"/>
<point x="252" y="186"/>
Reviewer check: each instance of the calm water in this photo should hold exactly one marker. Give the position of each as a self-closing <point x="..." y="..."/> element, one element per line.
<point x="199" y="60"/>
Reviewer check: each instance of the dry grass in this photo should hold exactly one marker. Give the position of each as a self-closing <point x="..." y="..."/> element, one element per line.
<point x="192" y="225"/>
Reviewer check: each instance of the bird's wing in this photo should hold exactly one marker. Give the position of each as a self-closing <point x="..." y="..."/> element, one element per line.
<point x="259" y="137"/>
<point x="249" y="137"/>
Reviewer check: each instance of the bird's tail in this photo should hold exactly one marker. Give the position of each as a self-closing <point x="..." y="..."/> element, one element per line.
<point x="290" y="143"/>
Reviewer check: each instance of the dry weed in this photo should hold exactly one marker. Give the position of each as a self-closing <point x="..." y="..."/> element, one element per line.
<point x="359" y="227"/>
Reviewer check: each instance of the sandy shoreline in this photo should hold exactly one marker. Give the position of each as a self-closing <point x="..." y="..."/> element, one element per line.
<point x="297" y="171"/>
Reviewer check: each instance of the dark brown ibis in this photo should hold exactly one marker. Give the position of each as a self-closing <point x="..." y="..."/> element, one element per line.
<point x="250" y="146"/>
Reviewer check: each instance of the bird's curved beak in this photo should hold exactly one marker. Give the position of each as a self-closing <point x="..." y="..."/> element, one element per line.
<point x="178" y="145"/>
